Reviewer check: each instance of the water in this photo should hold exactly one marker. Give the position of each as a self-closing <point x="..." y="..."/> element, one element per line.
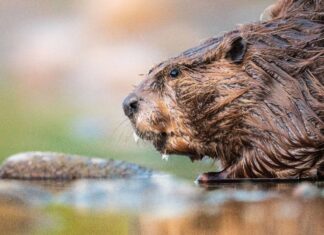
<point x="160" y="205"/>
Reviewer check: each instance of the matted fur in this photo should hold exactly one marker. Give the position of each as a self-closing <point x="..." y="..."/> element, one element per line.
<point x="261" y="115"/>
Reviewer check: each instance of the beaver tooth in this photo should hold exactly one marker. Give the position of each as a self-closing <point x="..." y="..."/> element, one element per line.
<point x="136" y="137"/>
<point x="165" y="157"/>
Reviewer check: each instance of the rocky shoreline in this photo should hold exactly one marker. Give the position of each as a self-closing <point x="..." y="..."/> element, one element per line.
<point x="49" y="165"/>
<point x="91" y="194"/>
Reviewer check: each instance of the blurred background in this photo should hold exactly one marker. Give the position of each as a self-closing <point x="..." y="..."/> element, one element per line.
<point x="66" y="65"/>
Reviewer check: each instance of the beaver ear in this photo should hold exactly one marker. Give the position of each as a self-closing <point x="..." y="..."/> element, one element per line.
<point x="237" y="50"/>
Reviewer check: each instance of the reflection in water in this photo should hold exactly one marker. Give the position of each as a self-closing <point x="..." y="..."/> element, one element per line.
<point x="267" y="187"/>
<point x="16" y="217"/>
<point x="270" y="217"/>
<point x="294" y="210"/>
<point x="160" y="206"/>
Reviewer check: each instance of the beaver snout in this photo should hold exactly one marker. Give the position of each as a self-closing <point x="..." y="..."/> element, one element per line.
<point x="130" y="105"/>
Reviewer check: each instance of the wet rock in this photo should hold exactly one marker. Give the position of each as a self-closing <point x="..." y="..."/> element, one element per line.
<point x="46" y="165"/>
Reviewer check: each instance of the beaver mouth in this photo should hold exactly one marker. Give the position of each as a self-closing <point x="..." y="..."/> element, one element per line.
<point x="160" y="141"/>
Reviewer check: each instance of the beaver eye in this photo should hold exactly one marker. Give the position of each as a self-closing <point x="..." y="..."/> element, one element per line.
<point x="174" y="73"/>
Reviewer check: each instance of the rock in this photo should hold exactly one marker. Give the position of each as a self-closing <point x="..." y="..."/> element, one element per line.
<point x="47" y="165"/>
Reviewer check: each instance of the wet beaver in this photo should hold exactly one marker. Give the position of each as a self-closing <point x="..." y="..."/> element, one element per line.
<point x="253" y="98"/>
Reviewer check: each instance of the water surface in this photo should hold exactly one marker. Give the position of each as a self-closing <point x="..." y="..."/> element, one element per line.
<point x="160" y="205"/>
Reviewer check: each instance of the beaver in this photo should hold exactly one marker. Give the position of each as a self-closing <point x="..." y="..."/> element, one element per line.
<point x="252" y="98"/>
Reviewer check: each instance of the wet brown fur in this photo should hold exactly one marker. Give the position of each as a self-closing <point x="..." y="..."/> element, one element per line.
<point x="261" y="115"/>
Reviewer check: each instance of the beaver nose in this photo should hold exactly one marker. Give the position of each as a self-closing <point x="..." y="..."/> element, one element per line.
<point x="130" y="105"/>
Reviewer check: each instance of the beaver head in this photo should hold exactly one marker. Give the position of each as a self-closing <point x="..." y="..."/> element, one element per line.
<point x="258" y="87"/>
<point x="178" y="105"/>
